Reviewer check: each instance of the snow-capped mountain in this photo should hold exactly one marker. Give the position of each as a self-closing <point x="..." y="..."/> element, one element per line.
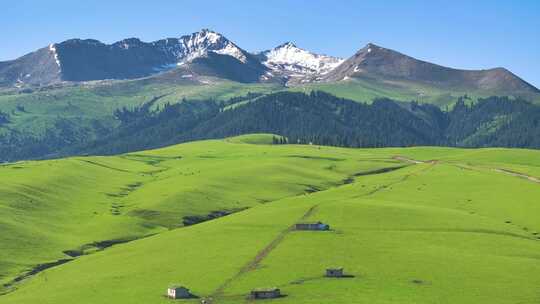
<point x="199" y="44"/>
<point x="208" y="53"/>
<point x="294" y="61"/>
<point x="89" y="59"/>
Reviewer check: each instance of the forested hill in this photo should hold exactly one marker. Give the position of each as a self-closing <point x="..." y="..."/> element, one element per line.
<point x="317" y="118"/>
<point x="320" y="118"/>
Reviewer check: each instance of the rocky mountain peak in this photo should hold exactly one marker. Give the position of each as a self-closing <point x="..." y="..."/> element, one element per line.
<point x="211" y="53"/>
<point x="287" y="44"/>
<point x="289" y="59"/>
<point x="198" y="43"/>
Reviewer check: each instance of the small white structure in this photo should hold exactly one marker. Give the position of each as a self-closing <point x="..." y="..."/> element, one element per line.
<point x="178" y="292"/>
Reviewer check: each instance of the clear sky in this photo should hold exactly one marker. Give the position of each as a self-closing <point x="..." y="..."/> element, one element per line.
<point x="462" y="34"/>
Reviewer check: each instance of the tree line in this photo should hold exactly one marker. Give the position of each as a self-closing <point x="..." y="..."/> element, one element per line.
<point x="317" y="118"/>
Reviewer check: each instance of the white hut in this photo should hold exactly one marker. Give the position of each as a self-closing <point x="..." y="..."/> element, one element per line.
<point x="178" y="292"/>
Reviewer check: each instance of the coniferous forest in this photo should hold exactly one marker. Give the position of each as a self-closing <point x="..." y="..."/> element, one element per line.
<point x="316" y="118"/>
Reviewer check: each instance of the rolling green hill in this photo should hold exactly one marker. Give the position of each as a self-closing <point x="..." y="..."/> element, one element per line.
<point x="411" y="225"/>
<point x="316" y="117"/>
<point x="38" y="122"/>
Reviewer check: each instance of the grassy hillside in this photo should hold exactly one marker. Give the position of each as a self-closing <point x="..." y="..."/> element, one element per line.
<point x="416" y="225"/>
<point x="255" y="139"/>
<point x="35" y="112"/>
<point x="365" y="90"/>
<point x="88" y="105"/>
<point x="37" y="124"/>
<point x="69" y="204"/>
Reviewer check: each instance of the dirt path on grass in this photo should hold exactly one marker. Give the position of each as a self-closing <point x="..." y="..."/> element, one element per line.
<point x="261" y="255"/>
<point x="408" y="160"/>
<point x="403" y="179"/>
<point x="470" y="167"/>
<point x="518" y="174"/>
<point x="500" y="170"/>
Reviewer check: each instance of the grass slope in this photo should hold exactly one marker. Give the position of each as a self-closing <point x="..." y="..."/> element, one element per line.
<point x="365" y="90"/>
<point x="255" y="139"/>
<point x="87" y="104"/>
<point x="47" y="207"/>
<point x="446" y="231"/>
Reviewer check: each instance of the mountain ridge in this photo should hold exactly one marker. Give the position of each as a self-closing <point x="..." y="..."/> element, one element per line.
<point x="376" y="61"/>
<point x="80" y="60"/>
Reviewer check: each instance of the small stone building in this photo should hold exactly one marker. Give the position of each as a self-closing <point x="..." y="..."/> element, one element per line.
<point x="266" y="293"/>
<point x="178" y="292"/>
<point x="334" y="272"/>
<point x="313" y="226"/>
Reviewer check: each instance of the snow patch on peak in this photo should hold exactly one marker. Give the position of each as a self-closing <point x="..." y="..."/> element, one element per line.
<point x="200" y="43"/>
<point x="291" y="58"/>
<point x="203" y="37"/>
<point x="52" y="49"/>
<point x="232" y="50"/>
<point x="370" y="47"/>
<point x="287" y="44"/>
<point x="126" y="44"/>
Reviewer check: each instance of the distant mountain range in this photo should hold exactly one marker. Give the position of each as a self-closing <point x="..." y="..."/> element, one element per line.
<point x="207" y="53"/>
<point x="88" y="97"/>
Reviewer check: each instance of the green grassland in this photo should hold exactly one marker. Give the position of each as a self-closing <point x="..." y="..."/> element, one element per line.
<point x="437" y="225"/>
<point x="367" y="89"/>
<point x="85" y="104"/>
<point x="59" y="205"/>
<point x="72" y="112"/>
<point x="88" y="104"/>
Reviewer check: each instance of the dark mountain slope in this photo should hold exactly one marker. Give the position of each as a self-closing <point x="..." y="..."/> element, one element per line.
<point x="84" y="60"/>
<point x="37" y="68"/>
<point x="374" y="61"/>
<point x="207" y="53"/>
<point x="78" y="60"/>
<point x="225" y="67"/>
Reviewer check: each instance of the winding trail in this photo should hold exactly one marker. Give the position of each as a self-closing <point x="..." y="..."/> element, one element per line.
<point x="470" y="167"/>
<point x="261" y="255"/>
<point x="408" y="160"/>
<point x="405" y="177"/>
<point x="518" y="174"/>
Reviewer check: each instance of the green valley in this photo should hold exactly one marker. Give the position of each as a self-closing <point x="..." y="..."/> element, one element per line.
<point x="284" y="152"/>
<point x="410" y="225"/>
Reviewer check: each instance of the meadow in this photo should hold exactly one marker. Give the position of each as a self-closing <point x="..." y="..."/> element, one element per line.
<point x="409" y="225"/>
<point x="368" y="89"/>
<point x="94" y="103"/>
<point x="35" y="112"/>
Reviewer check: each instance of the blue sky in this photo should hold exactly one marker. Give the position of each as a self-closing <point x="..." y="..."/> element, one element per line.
<point x="462" y="34"/>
